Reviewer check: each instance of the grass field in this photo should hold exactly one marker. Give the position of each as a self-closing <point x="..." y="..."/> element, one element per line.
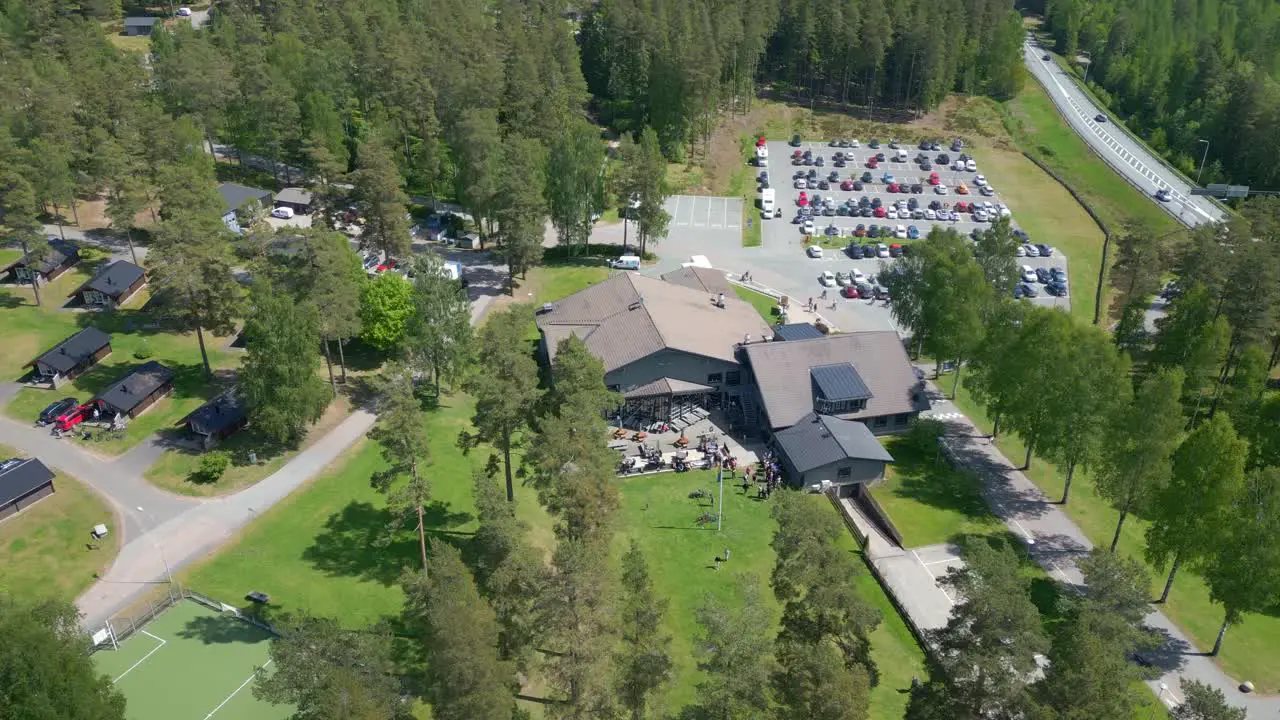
<point x="551" y="282"/>
<point x="45" y="547"/>
<point x="761" y="302"/>
<point x="177" y="470"/>
<point x="1252" y="648"/>
<point x="135" y="339"/>
<point x="929" y="501"/>
<point x="191" y="662"/>
<point x="319" y="550"/>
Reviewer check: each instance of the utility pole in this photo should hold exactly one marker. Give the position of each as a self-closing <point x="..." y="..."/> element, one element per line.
<point x="720" y="512"/>
<point x="1202" y="159"/>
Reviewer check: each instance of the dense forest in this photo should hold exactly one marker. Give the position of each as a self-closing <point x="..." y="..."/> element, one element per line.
<point x="1182" y="71"/>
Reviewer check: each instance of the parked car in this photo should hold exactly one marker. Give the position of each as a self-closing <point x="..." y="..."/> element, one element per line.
<point x="895" y="250"/>
<point x="803" y="199"/>
<point x="917" y="188"/>
<point x="980" y="180"/>
<point x="808" y="229"/>
<point x="882" y="250"/>
<point x="184" y="12"/>
<point x="873" y="231"/>
<point x="1056" y="289"/>
<point x="1020" y="251"/>
<point x="284" y="213"/>
<point x="860" y="231"/>
<point x="795" y="141"/>
<point x="962" y="189"/>
<point x="56" y="409"/>
<point x="940" y="189"/>
<point x="827" y="279"/>
<point x="1045" y="250"/>
<point x="847" y="185"/>
<point x="943" y="159"/>
<point x="814" y="251"/>
<point x="1029" y="290"/>
<point x="854" y="251"/>
<point x="850" y="292"/>
<point x="987" y="190"/>
<point x="857" y="186"/>
<point x="72" y="417"/>
<point x="874" y="144"/>
<point x="970" y="165"/>
<point x="1031" y="250"/>
<point x="1028" y="274"/>
<point x="868" y="177"/>
<point x="913" y="233"/>
<point x="832" y="230"/>
<point x="1057" y="274"/>
<point x="1042" y="276"/>
<point x="934" y="179"/>
<point x="801" y="183"/>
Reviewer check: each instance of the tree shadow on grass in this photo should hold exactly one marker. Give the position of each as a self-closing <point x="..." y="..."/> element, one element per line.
<point x="370" y="543"/>
<point x="217" y="629"/>
<point x="932" y="481"/>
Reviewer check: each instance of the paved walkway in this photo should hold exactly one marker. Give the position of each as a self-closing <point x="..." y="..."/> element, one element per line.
<point x="188" y="536"/>
<point x="1056" y="543"/>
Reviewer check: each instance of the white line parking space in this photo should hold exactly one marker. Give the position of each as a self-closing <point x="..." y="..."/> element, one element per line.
<point x="715" y="213"/>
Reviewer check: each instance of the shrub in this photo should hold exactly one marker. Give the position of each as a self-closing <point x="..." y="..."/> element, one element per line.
<point x="213" y="464"/>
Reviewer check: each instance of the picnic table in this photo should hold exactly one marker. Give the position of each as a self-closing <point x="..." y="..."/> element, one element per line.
<point x="640" y="436"/>
<point x="681" y="442"/>
<point x="619" y="434"/>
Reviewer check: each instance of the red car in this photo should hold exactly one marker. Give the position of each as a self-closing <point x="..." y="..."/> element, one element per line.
<point x="846" y="185"/>
<point x="388" y="264"/>
<point x="73" y="417"/>
<point x="850" y="292"/>
<point x="933" y="179"/>
<point x="760" y="141"/>
<point x="804" y="199"/>
<point x="963" y="207"/>
<point x="872" y="164"/>
<point x="797" y="153"/>
<point x="881" y="212"/>
<point x="893" y="187"/>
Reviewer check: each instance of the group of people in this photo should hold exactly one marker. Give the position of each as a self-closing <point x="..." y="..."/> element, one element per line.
<point x="767" y="476"/>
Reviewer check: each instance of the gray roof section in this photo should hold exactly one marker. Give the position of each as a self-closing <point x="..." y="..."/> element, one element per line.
<point x="629" y="317"/>
<point x="55" y="256"/>
<point x="235" y="195"/>
<point x="140" y="21"/>
<point x="839" y="381"/>
<point x="115" y="279"/>
<point x="70" y="352"/>
<point x="666" y="386"/>
<point x="294" y="196"/>
<point x="23" y="478"/>
<point x="818" y="440"/>
<point x="218" y="414"/>
<point x="707" y="280"/>
<point x="781" y="370"/>
<point x="129" y="391"/>
<point x="796" y="331"/>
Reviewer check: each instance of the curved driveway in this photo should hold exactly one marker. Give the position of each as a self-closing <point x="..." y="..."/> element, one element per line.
<point x="1127" y="156"/>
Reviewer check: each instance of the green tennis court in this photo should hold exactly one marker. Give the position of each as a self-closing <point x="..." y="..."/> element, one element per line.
<point x="191" y="663"/>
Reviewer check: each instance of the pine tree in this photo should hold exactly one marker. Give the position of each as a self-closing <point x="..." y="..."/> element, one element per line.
<point x="439" y="338"/>
<point x="644" y="663"/>
<point x="278" y="374"/>
<point x="402" y="434"/>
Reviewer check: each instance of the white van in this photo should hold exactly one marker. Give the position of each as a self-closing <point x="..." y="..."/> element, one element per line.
<point x="767" y="202"/>
<point x="900" y="156"/>
<point x="626" y="262"/>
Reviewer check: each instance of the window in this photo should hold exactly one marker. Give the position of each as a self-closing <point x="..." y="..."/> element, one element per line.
<point x="733" y="377"/>
<point x="881" y="421"/>
<point x="714" y="379"/>
<point x="844" y="473"/>
<point x="901" y="419"/>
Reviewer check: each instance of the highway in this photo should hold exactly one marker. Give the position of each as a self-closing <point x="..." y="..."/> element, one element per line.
<point x="1127" y="156"/>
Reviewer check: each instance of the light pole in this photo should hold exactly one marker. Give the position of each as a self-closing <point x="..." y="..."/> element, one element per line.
<point x="168" y="574"/>
<point x="1203" y="158"/>
<point x="1088" y="63"/>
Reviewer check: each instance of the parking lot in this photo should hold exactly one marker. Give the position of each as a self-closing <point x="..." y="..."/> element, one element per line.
<point x="786" y="232"/>
<point x="696" y="211"/>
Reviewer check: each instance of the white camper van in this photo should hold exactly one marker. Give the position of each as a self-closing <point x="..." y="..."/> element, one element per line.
<point x="767" y="202"/>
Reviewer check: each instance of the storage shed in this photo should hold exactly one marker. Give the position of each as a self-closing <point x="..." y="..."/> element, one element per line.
<point x="135" y="392"/>
<point x="217" y="419"/>
<point x="296" y="199"/>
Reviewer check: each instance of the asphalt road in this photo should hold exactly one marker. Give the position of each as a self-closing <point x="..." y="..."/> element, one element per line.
<point x="1127" y="156"/>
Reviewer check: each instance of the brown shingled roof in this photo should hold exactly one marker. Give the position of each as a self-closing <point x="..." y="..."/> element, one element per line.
<point x="707" y="280"/>
<point x="782" y="373"/>
<point x="630" y="316"/>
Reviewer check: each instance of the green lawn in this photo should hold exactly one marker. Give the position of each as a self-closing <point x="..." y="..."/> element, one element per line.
<point x="657" y="512"/>
<point x="177" y="470"/>
<point x="45" y="547"/>
<point x="929" y="501"/>
<point x="552" y="282"/>
<point x="1251" y="650"/>
<point x="135" y="339"/>
<point x="761" y="302"/>
<point x="318" y="550"/>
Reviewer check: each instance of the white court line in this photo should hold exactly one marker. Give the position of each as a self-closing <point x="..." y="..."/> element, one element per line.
<point x="709" y="212"/>
<point x="725" y="222"/>
<point x="246" y="682"/>
<point x="144" y="657"/>
<point x="933" y="577"/>
<point x="941" y="562"/>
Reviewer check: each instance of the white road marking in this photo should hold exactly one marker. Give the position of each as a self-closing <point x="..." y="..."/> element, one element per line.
<point x="163" y="642"/>
<point x="933" y="577"/>
<point x="1030" y="538"/>
<point x="233" y="694"/>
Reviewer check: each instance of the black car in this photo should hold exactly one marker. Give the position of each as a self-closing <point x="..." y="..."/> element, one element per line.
<point x="763" y="177"/>
<point x="944" y="159"/>
<point x="842" y="211"/>
<point x="1042" y="275"/>
<point x="52" y="412"/>
<point x="1045" y="57"/>
<point x="1022" y="236"/>
<point x="917" y="188"/>
<point x="829" y="210"/>
<point x="876" y="202"/>
<point x="1100" y="118"/>
<point x="926" y="166"/>
<point x="824" y="185"/>
<point x="867" y="212"/>
<point x="867" y="177"/>
<point x="812" y="174"/>
<point x="838" y="163"/>
<point x="879" y="157"/>
<point x="1056" y="289"/>
<point x="795" y="141"/>
<point x="857" y="185"/>
<point x="874" y="144"/>
<point x="819" y="161"/>
<point x="1045" y="250"/>
<point x="864" y="201"/>
<point x="912" y="204"/>
<point x="854" y="251"/>
<point x="956" y="145"/>
<point x="833" y="176"/>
